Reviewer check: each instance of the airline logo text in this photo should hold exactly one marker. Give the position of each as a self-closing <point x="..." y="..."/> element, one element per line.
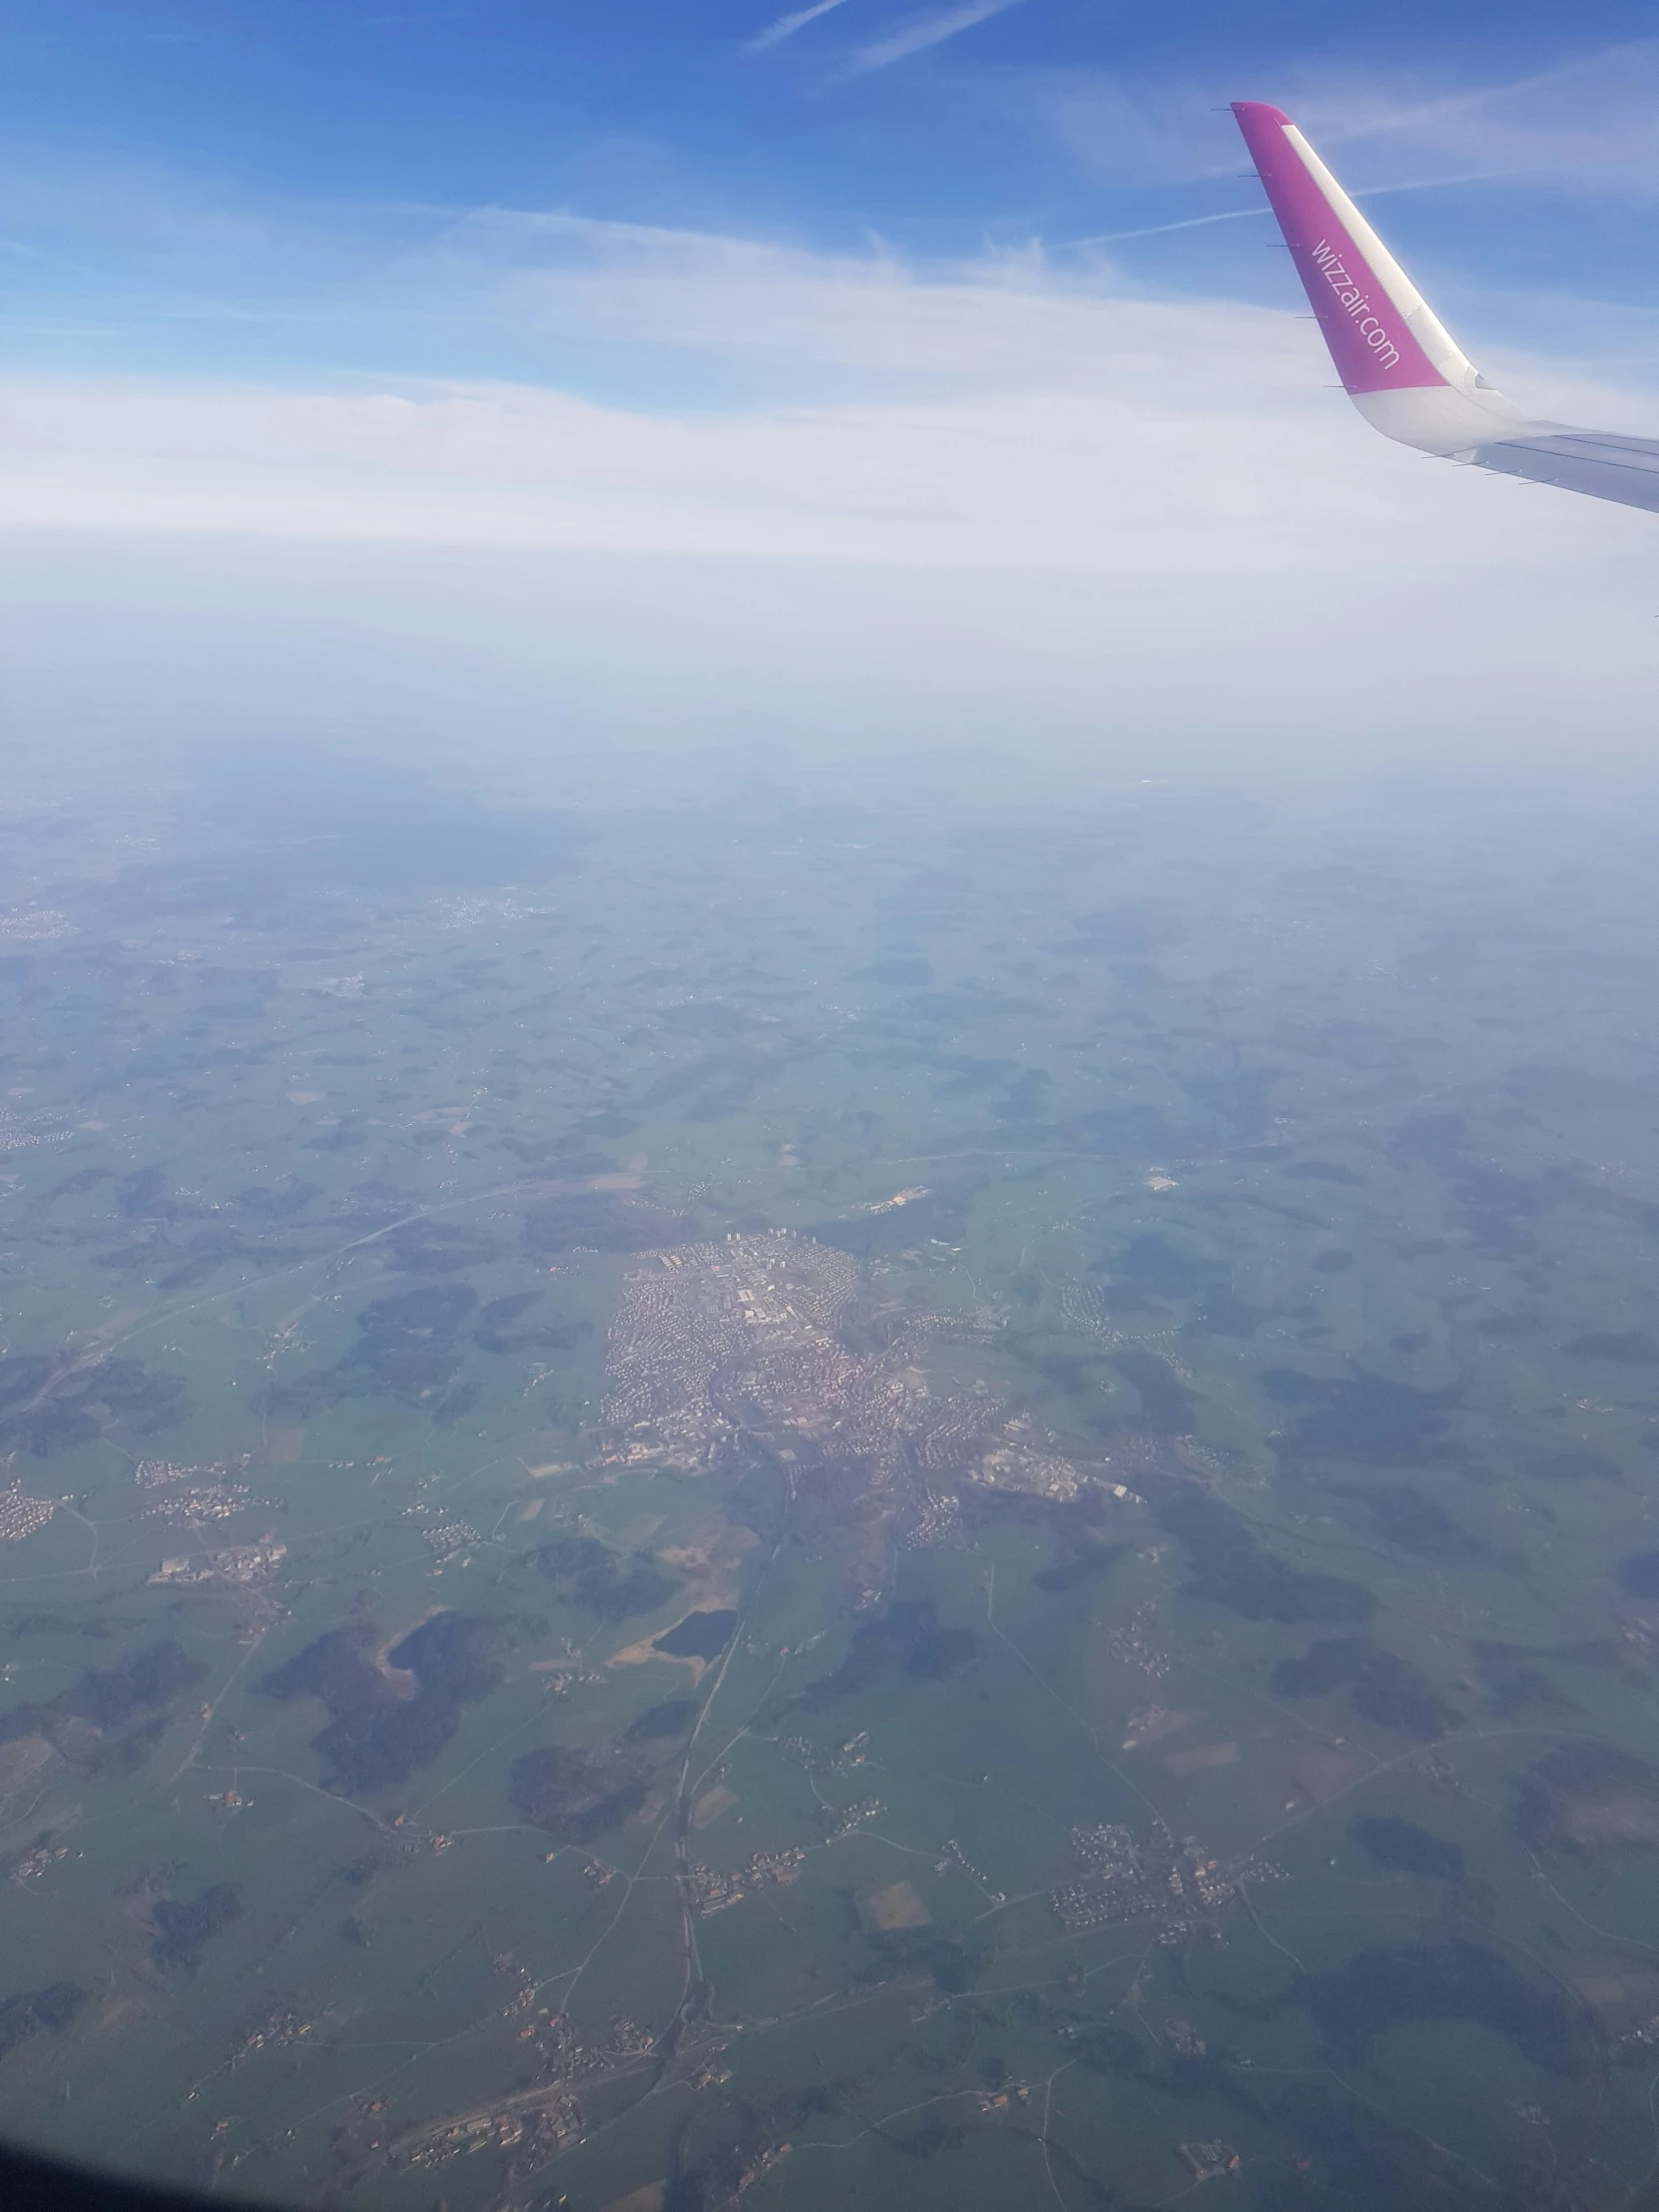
<point x="1354" y="303"/>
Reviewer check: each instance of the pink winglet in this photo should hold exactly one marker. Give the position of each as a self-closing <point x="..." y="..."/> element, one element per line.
<point x="1366" y="330"/>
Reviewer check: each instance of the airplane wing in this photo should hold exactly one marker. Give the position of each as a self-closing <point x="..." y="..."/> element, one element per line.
<point x="1397" y="361"/>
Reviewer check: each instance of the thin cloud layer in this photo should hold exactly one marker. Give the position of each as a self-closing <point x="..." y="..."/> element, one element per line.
<point x="985" y="497"/>
<point x="994" y="412"/>
<point x="1587" y="126"/>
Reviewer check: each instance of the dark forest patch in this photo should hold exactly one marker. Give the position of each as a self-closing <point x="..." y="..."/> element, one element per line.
<point x="1325" y="1170"/>
<point x="707" y="1017"/>
<point x="381" y="1729"/>
<point x="109" y="1708"/>
<point x="1078" y="1564"/>
<point x="904" y="970"/>
<point x="1405" y="1848"/>
<point x="873" y="1235"/>
<point x="1438" y="1141"/>
<point x="1130" y="1132"/>
<point x="967" y="1075"/>
<point x="1514" y="1685"/>
<point x="907" y="1638"/>
<point x="1230" y="1568"/>
<point x="1167" y="1406"/>
<point x="1025" y="1101"/>
<point x="1631" y="1348"/>
<point x="438" y="1248"/>
<point x="1127" y="932"/>
<point x="184" y="1932"/>
<point x="278" y="1205"/>
<point x="387" y="829"/>
<point x="673" y="1717"/>
<point x="1241" y="1099"/>
<point x="1354" y="2004"/>
<point x="1512" y="1327"/>
<point x="610" y="1584"/>
<point x="147" y="1194"/>
<point x="576" y="1795"/>
<point x="1574" y="1090"/>
<point x="1331" y="1664"/>
<point x="1222" y="1314"/>
<point x="1639" y="1574"/>
<point x="77" y="1183"/>
<point x="1383" y="1687"/>
<point x="1585" y="1797"/>
<point x="407" y="1347"/>
<point x="955" y="1959"/>
<point x="495" y="1331"/>
<point x="606" y="1123"/>
<point x="52" y="2010"/>
<point x="1577" y="1466"/>
<point x="698" y="1636"/>
<point x="51" y="1402"/>
<point x="1156" y="1267"/>
<point x="1364" y="1416"/>
<point x="1404" y="1516"/>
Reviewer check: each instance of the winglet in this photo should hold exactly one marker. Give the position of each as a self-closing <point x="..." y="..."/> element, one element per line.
<point x="1397" y="361"/>
<point x="1381" y="335"/>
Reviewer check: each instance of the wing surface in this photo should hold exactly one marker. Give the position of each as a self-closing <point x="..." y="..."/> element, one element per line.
<point x="1399" y="363"/>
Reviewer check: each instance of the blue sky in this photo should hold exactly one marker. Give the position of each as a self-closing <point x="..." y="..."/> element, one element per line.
<point x="961" y="295"/>
<point x="174" y="161"/>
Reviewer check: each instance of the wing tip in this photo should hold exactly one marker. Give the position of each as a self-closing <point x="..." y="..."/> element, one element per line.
<point x="1258" y="110"/>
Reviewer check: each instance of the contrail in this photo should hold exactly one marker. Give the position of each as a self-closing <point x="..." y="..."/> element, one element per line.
<point x="923" y="30"/>
<point x="1236" y="214"/>
<point x="787" y="26"/>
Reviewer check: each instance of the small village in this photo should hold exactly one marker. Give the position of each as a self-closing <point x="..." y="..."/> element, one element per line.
<point x="716" y="1892"/>
<point x="1155" y="1877"/>
<point x="21" y="1515"/>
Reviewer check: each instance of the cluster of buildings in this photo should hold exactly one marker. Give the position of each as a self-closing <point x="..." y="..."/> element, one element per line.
<point x="748" y="1338"/>
<point x="203" y="1501"/>
<point x="938" y="1521"/>
<point x="22" y="1132"/>
<point x="244" y="1565"/>
<point x="695" y="1312"/>
<point x="34" y="924"/>
<point x="448" y="1538"/>
<point x="277" y="2029"/>
<point x="955" y="1855"/>
<point x="534" y="2135"/>
<point x="1205" y="2161"/>
<point x="1131" y="1642"/>
<point x="1152" y="1877"/>
<point x="150" y="1475"/>
<point x="838" y="1758"/>
<point x="714" y="1892"/>
<point x="445" y="1538"/>
<point x="562" y="2057"/>
<point x="762" y="2163"/>
<point x="843" y="1822"/>
<point x="998" y="2100"/>
<point x="34" y="1863"/>
<point x="21" y="1515"/>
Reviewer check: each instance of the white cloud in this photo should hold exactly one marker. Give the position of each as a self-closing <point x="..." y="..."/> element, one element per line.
<point x="1586" y="126"/>
<point x="991" y="413"/>
<point x="1013" y="499"/>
